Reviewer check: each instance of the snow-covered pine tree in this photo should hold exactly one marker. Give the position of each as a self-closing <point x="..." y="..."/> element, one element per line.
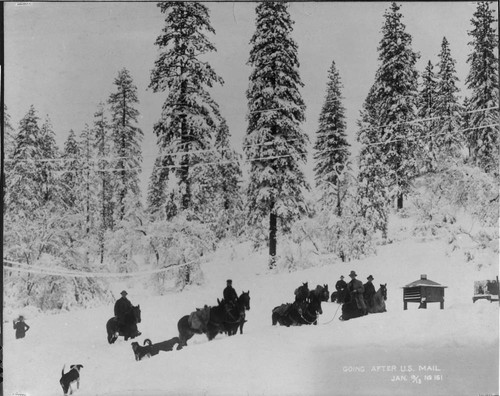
<point x="216" y="192"/>
<point x="189" y="114"/>
<point x="372" y="196"/>
<point x="157" y="187"/>
<point x="447" y="137"/>
<point x="50" y="167"/>
<point x="88" y="187"/>
<point x="395" y="99"/>
<point x="426" y="113"/>
<point x="275" y="144"/>
<point x="24" y="182"/>
<point x="482" y="81"/>
<point x="102" y="149"/>
<point x="9" y="145"/>
<point x="72" y="171"/>
<point x="331" y="149"/>
<point x="126" y="138"/>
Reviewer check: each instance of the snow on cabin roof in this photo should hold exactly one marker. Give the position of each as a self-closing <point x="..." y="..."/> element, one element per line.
<point x="423" y="281"/>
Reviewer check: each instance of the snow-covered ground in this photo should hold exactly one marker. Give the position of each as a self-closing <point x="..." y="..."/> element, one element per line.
<point x="414" y="352"/>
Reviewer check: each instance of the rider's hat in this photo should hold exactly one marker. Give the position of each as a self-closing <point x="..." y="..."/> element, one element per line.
<point x="353" y="274"/>
<point x="341" y="276"/>
<point x="370" y="277"/>
<point x="123" y="293"/>
<point x="229" y="281"/>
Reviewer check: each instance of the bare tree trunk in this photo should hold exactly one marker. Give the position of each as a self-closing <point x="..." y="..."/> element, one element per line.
<point x="272" y="238"/>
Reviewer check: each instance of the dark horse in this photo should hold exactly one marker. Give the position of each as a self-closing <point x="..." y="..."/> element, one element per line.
<point x="377" y="303"/>
<point x="218" y="316"/>
<point x="129" y="327"/>
<point x="301" y="293"/>
<point x="350" y="309"/>
<point x="321" y="292"/>
<point x="237" y="314"/>
<point x="298" y="313"/>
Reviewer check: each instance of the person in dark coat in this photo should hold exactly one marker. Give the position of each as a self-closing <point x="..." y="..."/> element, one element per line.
<point x="122" y="307"/>
<point x="341" y="287"/>
<point x="230" y="299"/>
<point x="356" y="290"/>
<point x="369" y="292"/>
<point x="229" y="294"/>
<point x="20" y="327"/>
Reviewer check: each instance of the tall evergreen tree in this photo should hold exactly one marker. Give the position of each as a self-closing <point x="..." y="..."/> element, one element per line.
<point x="275" y="144"/>
<point x="24" y="182"/>
<point x="331" y="147"/>
<point x="189" y="114"/>
<point x="447" y="138"/>
<point x="426" y="112"/>
<point x="50" y="166"/>
<point x="157" y="187"/>
<point x="72" y="172"/>
<point x="482" y="81"/>
<point x="373" y="192"/>
<point x="126" y="137"/>
<point x="105" y="190"/>
<point x="395" y="99"/>
<point x="9" y="146"/>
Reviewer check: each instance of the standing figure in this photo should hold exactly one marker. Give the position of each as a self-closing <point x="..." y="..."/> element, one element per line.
<point x="369" y="292"/>
<point x="341" y="287"/>
<point x="20" y="327"/>
<point x="356" y="289"/>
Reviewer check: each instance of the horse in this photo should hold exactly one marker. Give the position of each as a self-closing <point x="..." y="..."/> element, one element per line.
<point x="238" y="313"/>
<point x="321" y="292"/>
<point x="350" y="308"/>
<point x="288" y="314"/>
<point x="378" y="300"/>
<point x="302" y="293"/>
<point x="129" y="327"/>
<point x="218" y="316"/>
<point x="313" y="309"/>
<point x="297" y="314"/>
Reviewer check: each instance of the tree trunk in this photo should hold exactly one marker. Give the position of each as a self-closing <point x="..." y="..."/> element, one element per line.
<point x="400" y="201"/>
<point x="272" y="239"/>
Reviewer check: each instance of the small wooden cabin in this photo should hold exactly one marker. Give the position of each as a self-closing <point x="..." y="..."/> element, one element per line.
<point x="423" y="291"/>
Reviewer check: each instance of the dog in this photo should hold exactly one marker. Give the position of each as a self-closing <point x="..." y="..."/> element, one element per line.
<point x="165" y="346"/>
<point x="68" y="379"/>
<point x="149" y="349"/>
<point x="141" y="352"/>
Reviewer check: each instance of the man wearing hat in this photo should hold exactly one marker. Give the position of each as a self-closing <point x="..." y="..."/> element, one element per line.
<point x="20" y="327"/>
<point x="369" y="292"/>
<point x="341" y="287"/>
<point x="356" y="290"/>
<point x="229" y="294"/>
<point x="122" y="306"/>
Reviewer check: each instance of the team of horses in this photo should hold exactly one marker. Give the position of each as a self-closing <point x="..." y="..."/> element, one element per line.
<point x="229" y="317"/>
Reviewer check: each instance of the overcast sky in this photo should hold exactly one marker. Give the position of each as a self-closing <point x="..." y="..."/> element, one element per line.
<point x="64" y="57"/>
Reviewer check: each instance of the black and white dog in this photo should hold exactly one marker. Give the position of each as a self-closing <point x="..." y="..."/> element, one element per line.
<point x="68" y="379"/>
<point x="149" y="349"/>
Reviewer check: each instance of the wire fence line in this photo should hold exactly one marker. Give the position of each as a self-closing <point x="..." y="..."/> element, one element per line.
<point x="64" y="272"/>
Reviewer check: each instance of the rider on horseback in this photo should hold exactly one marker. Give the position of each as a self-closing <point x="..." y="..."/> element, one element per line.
<point x="356" y="289"/>
<point x="369" y="292"/>
<point x="122" y="307"/>
<point x="230" y="298"/>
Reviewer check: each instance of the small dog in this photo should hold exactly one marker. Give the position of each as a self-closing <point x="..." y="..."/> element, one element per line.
<point x="165" y="346"/>
<point x="68" y="379"/>
<point x="141" y="352"/>
<point x="149" y="349"/>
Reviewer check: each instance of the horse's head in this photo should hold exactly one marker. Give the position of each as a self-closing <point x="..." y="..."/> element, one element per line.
<point x="315" y="305"/>
<point x="244" y="300"/>
<point x="137" y="313"/>
<point x="383" y="290"/>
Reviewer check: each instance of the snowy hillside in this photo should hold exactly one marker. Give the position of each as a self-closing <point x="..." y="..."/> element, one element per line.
<point x="413" y="352"/>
